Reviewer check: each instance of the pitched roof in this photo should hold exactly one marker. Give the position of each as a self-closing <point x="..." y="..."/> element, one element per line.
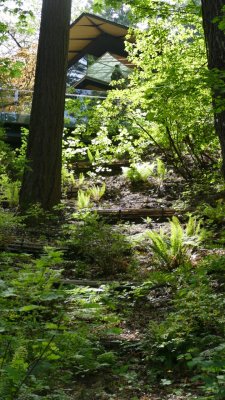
<point x="91" y="34"/>
<point x="100" y="72"/>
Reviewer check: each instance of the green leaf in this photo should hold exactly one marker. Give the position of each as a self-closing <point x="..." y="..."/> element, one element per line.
<point x="8" y="293"/>
<point x="30" y="307"/>
<point x="51" y="325"/>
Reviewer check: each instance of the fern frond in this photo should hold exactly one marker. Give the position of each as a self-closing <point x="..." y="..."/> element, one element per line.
<point x="90" y="156"/>
<point x="193" y="232"/>
<point x="172" y="249"/>
<point x="159" y="245"/>
<point x="96" y="192"/>
<point x="176" y="238"/>
<point x="83" y="199"/>
<point x="161" y="169"/>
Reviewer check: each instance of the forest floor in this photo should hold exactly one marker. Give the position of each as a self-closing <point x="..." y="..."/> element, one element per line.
<point x="117" y="275"/>
<point x="135" y="314"/>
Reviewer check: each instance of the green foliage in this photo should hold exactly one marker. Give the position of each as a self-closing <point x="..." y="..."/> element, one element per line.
<point x="12" y="166"/>
<point x="81" y="179"/>
<point x="26" y="298"/>
<point x="50" y="337"/>
<point x="68" y="179"/>
<point x="74" y="148"/>
<point x="161" y="170"/>
<point x="43" y="330"/>
<point x="10" y="69"/>
<point x="97" y="192"/>
<point x="10" y="190"/>
<point x="19" y="161"/>
<point x="83" y="199"/>
<point x="99" y="248"/>
<point x="139" y="172"/>
<point x="172" y="250"/>
<point x="210" y="364"/>
<point x="90" y="156"/>
<point x="190" y="336"/>
<point x="6" y="154"/>
<point x="70" y="147"/>
<point x="167" y="102"/>
<point x="214" y="214"/>
<point x="70" y="182"/>
<point x="16" y="19"/>
<point x="10" y="224"/>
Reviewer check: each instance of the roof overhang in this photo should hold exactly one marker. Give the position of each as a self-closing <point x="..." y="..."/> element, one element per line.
<point x="90" y="34"/>
<point x="91" y="84"/>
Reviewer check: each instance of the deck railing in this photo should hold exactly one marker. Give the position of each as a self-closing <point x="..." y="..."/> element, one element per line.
<point x="19" y="101"/>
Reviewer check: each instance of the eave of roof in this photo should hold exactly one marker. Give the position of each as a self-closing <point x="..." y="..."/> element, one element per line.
<point x="91" y="34"/>
<point x="91" y="83"/>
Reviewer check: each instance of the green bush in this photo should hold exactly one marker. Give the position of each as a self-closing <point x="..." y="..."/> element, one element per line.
<point x="214" y="214"/>
<point x="44" y="338"/>
<point x="29" y="320"/>
<point x="9" y="226"/>
<point x="139" y="172"/>
<point x="100" y="247"/>
<point x="190" y="340"/>
<point x="172" y="250"/>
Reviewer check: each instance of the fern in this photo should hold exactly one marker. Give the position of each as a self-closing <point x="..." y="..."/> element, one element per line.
<point x="161" y="169"/>
<point x="90" y="156"/>
<point x="139" y="172"/>
<point x="68" y="179"/>
<point x="176" y="238"/>
<point x="159" y="245"/>
<point x="14" y="371"/>
<point x="97" y="192"/>
<point x="172" y="250"/>
<point x="214" y="214"/>
<point x="81" y="179"/>
<point x="83" y="200"/>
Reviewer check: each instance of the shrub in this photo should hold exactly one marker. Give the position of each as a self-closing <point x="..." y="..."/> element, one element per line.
<point x="97" y="192"/>
<point x="139" y="172"/>
<point x="83" y="200"/>
<point x="44" y="338"/>
<point x="172" y="250"/>
<point x="99" y="246"/>
<point x="191" y="335"/>
<point x="9" y="225"/>
<point x="9" y="190"/>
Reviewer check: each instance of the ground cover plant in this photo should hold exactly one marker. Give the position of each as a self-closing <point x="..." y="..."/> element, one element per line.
<point x="123" y="307"/>
<point x="99" y="248"/>
<point x="43" y="329"/>
<point x="191" y="338"/>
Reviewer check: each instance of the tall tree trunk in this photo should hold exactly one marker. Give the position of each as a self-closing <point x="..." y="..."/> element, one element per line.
<point x="42" y="177"/>
<point x="215" y="44"/>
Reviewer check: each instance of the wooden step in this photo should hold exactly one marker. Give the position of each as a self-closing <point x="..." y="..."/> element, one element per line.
<point x="24" y="245"/>
<point x="98" y="283"/>
<point x="135" y="214"/>
<point x="111" y="168"/>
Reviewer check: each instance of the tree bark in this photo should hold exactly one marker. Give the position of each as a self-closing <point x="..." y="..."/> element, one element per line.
<point x="42" y="177"/>
<point x="215" y="45"/>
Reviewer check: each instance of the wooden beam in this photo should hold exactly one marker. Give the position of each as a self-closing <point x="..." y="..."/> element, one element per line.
<point x="135" y="213"/>
<point x="99" y="46"/>
<point x="86" y="83"/>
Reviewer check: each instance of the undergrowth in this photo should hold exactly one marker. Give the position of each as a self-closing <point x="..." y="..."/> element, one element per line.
<point x="45" y="339"/>
<point x="188" y="341"/>
<point x="98" y="249"/>
<point x="171" y="250"/>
